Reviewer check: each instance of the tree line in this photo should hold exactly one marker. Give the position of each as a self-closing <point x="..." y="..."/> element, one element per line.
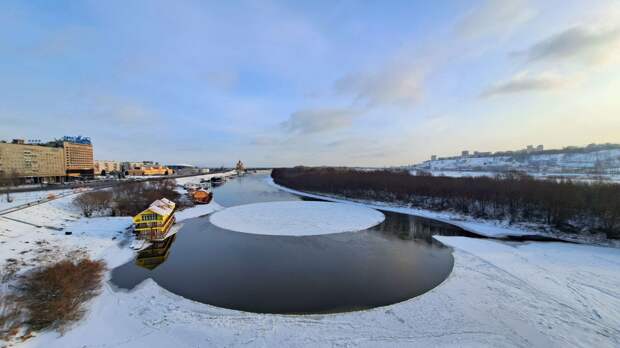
<point x="564" y="204"/>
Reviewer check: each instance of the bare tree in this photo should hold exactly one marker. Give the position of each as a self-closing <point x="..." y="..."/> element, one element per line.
<point x="92" y="202"/>
<point x="567" y="205"/>
<point x="8" y="180"/>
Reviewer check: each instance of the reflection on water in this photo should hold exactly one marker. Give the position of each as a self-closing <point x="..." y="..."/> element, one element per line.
<point x="391" y="262"/>
<point x="407" y="227"/>
<point x="155" y="254"/>
<point x="249" y="189"/>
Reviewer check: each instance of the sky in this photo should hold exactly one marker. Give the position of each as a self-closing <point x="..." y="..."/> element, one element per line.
<point x="275" y="83"/>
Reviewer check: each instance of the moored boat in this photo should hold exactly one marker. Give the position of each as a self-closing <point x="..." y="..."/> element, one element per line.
<point x="201" y="196"/>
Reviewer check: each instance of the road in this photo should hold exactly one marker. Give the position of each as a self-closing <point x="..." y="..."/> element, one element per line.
<point x="89" y="185"/>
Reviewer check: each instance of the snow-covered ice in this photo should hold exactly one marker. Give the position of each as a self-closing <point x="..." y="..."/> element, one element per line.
<point x="297" y="218"/>
<point x="197" y="211"/>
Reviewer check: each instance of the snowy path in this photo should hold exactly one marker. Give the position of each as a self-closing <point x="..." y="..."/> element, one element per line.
<point x="23" y="200"/>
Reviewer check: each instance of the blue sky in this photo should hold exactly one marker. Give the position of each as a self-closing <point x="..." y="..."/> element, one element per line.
<point x="314" y="83"/>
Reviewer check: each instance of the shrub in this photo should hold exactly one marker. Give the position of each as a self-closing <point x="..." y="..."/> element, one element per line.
<point x="91" y="202"/>
<point x="130" y="198"/>
<point x="53" y="296"/>
<point x="10" y="316"/>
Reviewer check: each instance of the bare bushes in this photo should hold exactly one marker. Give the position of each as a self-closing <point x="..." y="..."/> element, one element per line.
<point x="127" y="198"/>
<point x="130" y="198"/>
<point x="94" y="202"/>
<point x="50" y="297"/>
<point x="569" y="206"/>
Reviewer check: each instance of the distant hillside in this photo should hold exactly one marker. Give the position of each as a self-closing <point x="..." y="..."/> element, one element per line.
<point x="597" y="159"/>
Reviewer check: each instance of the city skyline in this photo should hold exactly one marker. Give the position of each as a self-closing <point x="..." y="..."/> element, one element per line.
<point x="277" y="84"/>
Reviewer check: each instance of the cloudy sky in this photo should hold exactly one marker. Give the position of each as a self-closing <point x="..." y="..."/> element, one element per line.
<point x="314" y="83"/>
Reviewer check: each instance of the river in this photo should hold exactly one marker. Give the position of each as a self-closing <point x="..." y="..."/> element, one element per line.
<point x="388" y="263"/>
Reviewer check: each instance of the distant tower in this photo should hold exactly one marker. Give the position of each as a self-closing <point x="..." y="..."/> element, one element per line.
<point x="240" y="167"/>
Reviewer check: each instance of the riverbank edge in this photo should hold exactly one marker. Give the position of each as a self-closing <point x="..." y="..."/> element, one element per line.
<point x="495" y="229"/>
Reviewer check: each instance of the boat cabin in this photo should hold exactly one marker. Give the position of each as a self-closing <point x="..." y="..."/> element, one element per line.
<point x="154" y="222"/>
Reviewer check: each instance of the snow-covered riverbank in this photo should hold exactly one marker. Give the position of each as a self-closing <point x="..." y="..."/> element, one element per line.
<point x="542" y="295"/>
<point x="499" y="294"/>
<point x="486" y="228"/>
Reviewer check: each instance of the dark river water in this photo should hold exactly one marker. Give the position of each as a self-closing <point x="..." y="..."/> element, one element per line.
<point x="391" y="262"/>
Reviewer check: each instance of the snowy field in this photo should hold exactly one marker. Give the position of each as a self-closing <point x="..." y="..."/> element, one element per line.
<point x="297" y="218"/>
<point x="498" y="295"/>
<point x="20" y="198"/>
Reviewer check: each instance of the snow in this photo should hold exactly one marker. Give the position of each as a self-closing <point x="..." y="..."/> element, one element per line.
<point x="22" y="198"/>
<point x="162" y="207"/>
<point x="197" y="211"/>
<point x="498" y="295"/>
<point x="539" y="294"/>
<point x="297" y="218"/>
<point x="196" y="179"/>
<point x="100" y="237"/>
<point x="486" y="228"/>
<point x="573" y="165"/>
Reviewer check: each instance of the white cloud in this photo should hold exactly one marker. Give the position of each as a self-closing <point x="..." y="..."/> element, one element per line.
<point x="319" y="120"/>
<point x="396" y="84"/>
<point x="588" y="44"/>
<point x="495" y="17"/>
<point x="525" y="82"/>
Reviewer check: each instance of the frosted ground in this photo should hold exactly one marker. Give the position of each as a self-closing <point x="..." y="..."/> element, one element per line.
<point x="499" y="294"/>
